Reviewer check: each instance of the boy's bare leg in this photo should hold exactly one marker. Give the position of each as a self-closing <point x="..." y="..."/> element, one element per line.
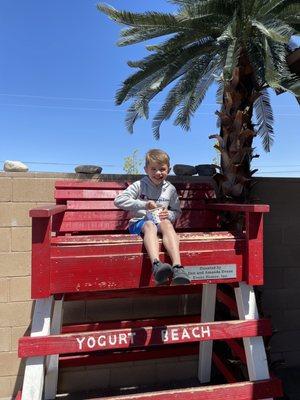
<point x="151" y="240"/>
<point x="170" y="241"/>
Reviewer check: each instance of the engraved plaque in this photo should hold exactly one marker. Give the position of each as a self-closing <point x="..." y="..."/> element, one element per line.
<point x="210" y="272"/>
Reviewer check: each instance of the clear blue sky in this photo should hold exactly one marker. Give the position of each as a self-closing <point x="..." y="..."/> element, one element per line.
<point x="59" y="70"/>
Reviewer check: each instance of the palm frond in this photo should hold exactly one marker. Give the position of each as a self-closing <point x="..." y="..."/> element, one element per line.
<point x="181" y="2"/>
<point x="256" y="56"/>
<point x="275" y="30"/>
<point x="176" y="95"/>
<point x="135" y="35"/>
<point x="266" y="7"/>
<point x="289" y="11"/>
<point x="216" y="7"/>
<point x="194" y="98"/>
<point x="264" y="116"/>
<point x="175" y="59"/>
<point x="272" y="76"/>
<point x="273" y="7"/>
<point x="147" y="19"/>
<point x="220" y="91"/>
<point x="231" y="59"/>
<point x="181" y="40"/>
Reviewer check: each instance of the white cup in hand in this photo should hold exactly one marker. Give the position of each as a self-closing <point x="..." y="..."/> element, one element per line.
<point x="153" y="215"/>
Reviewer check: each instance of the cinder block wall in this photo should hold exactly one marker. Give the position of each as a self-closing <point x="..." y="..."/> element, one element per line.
<point x="281" y="292"/>
<point x="280" y="295"/>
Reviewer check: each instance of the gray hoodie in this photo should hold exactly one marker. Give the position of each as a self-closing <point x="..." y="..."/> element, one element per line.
<point x="135" y="197"/>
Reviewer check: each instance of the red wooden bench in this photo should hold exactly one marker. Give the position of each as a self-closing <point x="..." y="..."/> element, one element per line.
<point x="81" y="250"/>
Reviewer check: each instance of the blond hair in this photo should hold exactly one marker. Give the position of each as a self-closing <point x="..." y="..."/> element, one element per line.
<point x="157" y="156"/>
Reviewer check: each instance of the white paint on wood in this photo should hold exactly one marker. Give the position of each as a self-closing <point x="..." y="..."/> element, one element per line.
<point x="254" y="347"/>
<point x="51" y="376"/>
<point x="205" y="348"/>
<point x="34" y="370"/>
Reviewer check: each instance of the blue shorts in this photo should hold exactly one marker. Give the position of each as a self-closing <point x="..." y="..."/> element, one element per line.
<point x="136" y="227"/>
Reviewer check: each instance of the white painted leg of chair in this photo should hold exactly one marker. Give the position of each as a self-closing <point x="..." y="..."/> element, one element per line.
<point x="34" y="369"/>
<point x="205" y="348"/>
<point x="254" y="347"/>
<point x="51" y="376"/>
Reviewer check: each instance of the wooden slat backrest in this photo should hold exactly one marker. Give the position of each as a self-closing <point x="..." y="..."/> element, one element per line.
<point x="90" y="207"/>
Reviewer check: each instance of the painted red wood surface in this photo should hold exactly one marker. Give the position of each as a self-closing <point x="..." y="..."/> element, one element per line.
<point x="82" y="238"/>
<point x="40" y="257"/>
<point x="109" y="204"/>
<point x="112" y="272"/>
<point x="237" y="349"/>
<point x="47" y="211"/>
<point x="254" y="234"/>
<point x="141" y="337"/>
<point x="113" y="238"/>
<point x="224" y="368"/>
<point x="164" y="290"/>
<point x="228" y="301"/>
<point x="235" y="391"/>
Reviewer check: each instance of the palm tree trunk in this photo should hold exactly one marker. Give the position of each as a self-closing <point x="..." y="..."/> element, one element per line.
<point x="237" y="133"/>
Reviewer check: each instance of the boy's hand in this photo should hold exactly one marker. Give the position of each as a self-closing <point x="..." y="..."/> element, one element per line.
<point x="164" y="214"/>
<point x="150" y="205"/>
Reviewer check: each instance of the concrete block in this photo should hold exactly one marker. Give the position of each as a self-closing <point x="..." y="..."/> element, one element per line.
<point x="32" y="190"/>
<point x="10" y="364"/>
<point x="5" y="339"/>
<point x="5" y="240"/>
<point x="155" y="306"/>
<point x="21" y="239"/>
<point x="15" y="264"/>
<point x="279" y="256"/>
<point x="4" y="290"/>
<point x="285" y="341"/>
<point x="79" y="380"/>
<point x="292" y="320"/>
<point x="273" y="278"/>
<point x="292" y="359"/>
<point x="109" y="309"/>
<point x="135" y="375"/>
<point x="189" y="304"/>
<point x="20" y="214"/>
<point x="176" y="371"/>
<point x="270" y="190"/>
<point x="273" y="234"/>
<point x="16" y="333"/>
<point x="15" y="314"/>
<point x="273" y="298"/>
<point x="5" y="214"/>
<point x="276" y="357"/>
<point x="19" y="288"/>
<point x="292" y="277"/>
<point x="74" y="311"/>
<point x="291" y="299"/>
<point x="6" y="189"/>
<point x="5" y="385"/>
<point x="291" y="234"/>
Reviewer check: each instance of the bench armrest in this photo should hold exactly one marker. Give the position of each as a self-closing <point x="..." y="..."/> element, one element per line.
<point x="260" y="208"/>
<point x="47" y="211"/>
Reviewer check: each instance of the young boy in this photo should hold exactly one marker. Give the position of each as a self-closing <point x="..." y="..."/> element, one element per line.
<point x="151" y="192"/>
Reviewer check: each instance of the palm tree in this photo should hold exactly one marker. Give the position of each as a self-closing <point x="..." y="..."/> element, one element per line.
<point x="242" y="45"/>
